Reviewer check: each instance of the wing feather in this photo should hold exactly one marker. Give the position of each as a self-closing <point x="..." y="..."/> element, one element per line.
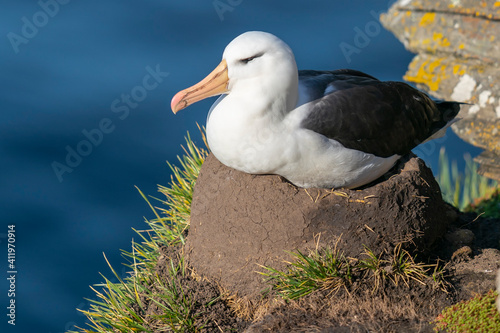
<point x="363" y="113"/>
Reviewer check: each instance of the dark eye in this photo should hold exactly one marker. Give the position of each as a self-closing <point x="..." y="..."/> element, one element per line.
<point x="247" y="60"/>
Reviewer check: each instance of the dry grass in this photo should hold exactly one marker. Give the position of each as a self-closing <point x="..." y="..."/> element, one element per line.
<point x="252" y="310"/>
<point x="361" y="312"/>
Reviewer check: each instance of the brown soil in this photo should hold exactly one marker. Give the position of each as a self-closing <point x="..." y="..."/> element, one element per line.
<point x="390" y="309"/>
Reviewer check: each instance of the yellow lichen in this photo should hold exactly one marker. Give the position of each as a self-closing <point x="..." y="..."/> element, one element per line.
<point x="427" y="19"/>
<point x="457" y="70"/>
<point x="440" y="40"/>
<point x="430" y="73"/>
<point x="485" y="135"/>
<point x="496" y="4"/>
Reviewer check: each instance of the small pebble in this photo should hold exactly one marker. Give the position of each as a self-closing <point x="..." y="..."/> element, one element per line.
<point x="460" y="237"/>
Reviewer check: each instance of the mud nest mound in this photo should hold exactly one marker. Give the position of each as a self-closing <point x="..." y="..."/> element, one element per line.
<point x="240" y="221"/>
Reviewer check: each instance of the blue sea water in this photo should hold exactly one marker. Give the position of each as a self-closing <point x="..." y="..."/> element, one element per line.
<point x="96" y="78"/>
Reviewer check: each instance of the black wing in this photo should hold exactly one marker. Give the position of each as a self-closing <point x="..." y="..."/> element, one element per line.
<point x="363" y="113"/>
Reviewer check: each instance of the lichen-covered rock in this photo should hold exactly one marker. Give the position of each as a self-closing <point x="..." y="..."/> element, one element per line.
<point x="240" y="221"/>
<point x="458" y="58"/>
<point x="464" y="29"/>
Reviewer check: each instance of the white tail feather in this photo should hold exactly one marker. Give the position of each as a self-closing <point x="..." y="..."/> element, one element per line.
<point x="442" y="131"/>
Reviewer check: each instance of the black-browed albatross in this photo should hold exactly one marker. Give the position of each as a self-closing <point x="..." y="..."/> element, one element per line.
<point x="325" y="129"/>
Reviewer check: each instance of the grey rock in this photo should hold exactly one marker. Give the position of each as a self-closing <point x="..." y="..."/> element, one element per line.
<point x="458" y="58"/>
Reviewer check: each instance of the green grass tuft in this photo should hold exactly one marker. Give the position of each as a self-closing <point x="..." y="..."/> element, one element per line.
<point x="172" y="219"/>
<point x="328" y="269"/>
<point x="465" y="191"/>
<point x="324" y="269"/>
<point x="122" y="306"/>
<point x="488" y="206"/>
<point x="478" y="314"/>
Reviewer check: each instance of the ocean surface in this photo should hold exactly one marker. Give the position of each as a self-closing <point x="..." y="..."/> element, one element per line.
<point x="85" y="116"/>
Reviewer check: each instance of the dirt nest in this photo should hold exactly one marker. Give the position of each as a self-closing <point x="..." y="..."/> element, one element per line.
<point x="240" y="221"/>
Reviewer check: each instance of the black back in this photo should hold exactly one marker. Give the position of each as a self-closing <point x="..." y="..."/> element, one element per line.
<point x="363" y="113"/>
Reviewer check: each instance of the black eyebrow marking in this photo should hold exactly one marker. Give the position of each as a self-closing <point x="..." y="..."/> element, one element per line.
<point x="247" y="60"/>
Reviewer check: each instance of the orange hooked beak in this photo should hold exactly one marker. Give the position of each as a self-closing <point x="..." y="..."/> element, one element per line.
<point x="214" y="84"/>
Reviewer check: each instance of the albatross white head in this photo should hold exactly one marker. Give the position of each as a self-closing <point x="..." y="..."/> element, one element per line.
<point x="256" y="66"/>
